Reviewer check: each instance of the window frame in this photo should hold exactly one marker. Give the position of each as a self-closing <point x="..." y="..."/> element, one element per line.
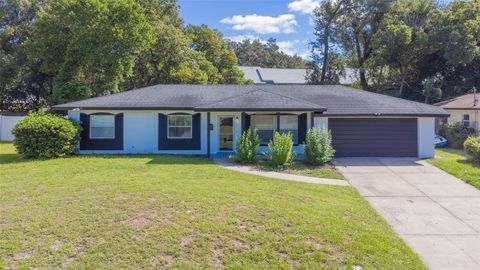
<point x="466" y="122"/>
<point x="90" y="127"/>
<point x="169" y="126"/>
<point x="295" y="142"/>
<point x="274" y="128"/>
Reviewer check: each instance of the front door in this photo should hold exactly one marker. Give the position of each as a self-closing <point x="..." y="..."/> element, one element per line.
<point x="226" y="133"/>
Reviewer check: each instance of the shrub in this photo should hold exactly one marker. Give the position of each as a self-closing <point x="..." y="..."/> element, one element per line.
<point x="280" y="153"/>
<point x="318" y="146"/>
<point x="247" y="147"/>
<point x="43" y="135"/>
<point x="472" y="147"/>
<point x="456" y="134"/>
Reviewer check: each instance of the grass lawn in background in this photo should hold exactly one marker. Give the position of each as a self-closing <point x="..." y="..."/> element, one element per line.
<point x="160" y="211"/>
<point x="456" y="163"/>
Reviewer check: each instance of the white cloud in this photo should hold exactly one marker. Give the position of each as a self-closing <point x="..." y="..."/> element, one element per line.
<point x="288" y="47"/>
<point x="303" y="6"/>
<point x="262" y="24"/>
<point x="240" y="38"/>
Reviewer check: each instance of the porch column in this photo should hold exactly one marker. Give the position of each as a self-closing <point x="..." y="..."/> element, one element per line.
<point x="208" y="134"/>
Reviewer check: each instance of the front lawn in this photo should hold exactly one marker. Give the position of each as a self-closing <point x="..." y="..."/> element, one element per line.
<point x="147" y="211"/>
<point x="455" y="162"/>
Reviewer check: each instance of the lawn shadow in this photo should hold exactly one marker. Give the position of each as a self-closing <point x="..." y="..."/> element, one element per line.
<point x="9" y="158"/>
<point x="157" y="159"/>
<point x="469" y="162"/>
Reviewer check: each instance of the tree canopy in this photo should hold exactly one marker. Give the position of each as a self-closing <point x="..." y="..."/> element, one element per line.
<point x="267" y="55"/>
<point x="415" y="49"/>
<point x="63" y="50"/>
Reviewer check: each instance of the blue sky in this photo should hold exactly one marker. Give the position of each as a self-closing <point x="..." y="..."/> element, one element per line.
<point x="288" y="21"/>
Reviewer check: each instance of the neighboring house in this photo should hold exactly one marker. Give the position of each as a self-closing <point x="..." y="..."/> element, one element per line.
<point x="209" y="119"/>
<point x="8" y="120"/>
<point x="463" y="109"/>
<point x="261" y="75"/>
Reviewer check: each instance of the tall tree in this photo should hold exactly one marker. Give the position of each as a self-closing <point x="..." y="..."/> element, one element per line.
<point x="91" y="42"/>
<point x="326" y="18"/>
<point x="264" y="54"/>
<point x="22" y="84"/>
<point x="356" y="28"/>
<point x="215" y="49"/>
<point x="402" y="40"/>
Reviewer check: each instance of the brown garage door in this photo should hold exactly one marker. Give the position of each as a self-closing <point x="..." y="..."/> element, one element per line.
<point x="370" y="137"/>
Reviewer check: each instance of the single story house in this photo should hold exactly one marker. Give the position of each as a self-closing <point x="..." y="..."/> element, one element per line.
<point x="208" y="119"/>
<point x="463" y="109"/>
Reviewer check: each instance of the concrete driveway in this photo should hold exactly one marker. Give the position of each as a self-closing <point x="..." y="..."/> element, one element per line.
<point x="435" y="213"/>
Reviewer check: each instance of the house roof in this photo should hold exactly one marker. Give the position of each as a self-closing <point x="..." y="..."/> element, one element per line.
<point x="336" y="99"/>
<point x="462" y="102"/>
<point x="260" y="100"/>
<point x="261" y="75"/>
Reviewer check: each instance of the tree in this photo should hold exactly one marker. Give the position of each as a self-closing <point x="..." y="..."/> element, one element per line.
<point x="264" y="54"/>
<point x="357" y="28"/>
<point x="22" y="84"/>
<point x="326" y="17"/>
<point x="402" y="40"/>
<point x="431" y="90"/>
<point x="92" y="41"/>
<point x="215" y="49"/>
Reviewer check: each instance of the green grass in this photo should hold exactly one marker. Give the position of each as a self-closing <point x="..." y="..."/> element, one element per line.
<point x="116" y="212"/>
<point x="455" y="162"/>
<point x="301" y="168"/>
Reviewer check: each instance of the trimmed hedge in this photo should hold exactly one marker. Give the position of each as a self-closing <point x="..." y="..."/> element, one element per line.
<point x="472" y="147"/>
<point x="44" y="136"/>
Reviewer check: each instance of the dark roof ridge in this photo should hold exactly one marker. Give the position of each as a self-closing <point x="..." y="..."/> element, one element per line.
<point x="297" y="99"/>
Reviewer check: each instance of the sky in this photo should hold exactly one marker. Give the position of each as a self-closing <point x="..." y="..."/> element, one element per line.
<point x="288" y="21"/>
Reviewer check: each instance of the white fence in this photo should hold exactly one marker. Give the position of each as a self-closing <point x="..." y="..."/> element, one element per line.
<point x="7" y="122"/>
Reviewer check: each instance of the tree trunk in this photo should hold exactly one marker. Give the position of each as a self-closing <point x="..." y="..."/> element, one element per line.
<point x="402" y="84"/>
<point x="361" y="64"/>
<point x="325" y="57"/>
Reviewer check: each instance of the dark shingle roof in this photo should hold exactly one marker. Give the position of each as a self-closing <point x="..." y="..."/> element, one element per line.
<point x="337" y="99"/>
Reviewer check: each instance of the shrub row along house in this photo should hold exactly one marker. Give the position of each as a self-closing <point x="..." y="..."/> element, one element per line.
<point x="208" y="119"/>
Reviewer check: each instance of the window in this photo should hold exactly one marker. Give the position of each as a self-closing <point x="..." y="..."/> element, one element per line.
<point x="179" y="126"/>
<point x="466" y="120"/>
<point x="289" y="123"/>
<point x="102" y="126"/>
<point x="265" y="125"/>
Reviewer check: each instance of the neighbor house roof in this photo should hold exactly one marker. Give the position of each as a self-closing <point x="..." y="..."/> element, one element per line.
<point x="462" y="102"/>
<point x="329" y="99"/>
<point x="261" y="75"/>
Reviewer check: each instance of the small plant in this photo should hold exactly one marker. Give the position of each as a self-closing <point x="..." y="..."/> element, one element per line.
<point x="247" y="147"/>
<point x="42" y="135"/>
<point x="280" y="153"/>
<point x="318" y="146"/>
<point x="472" y="147"/>
<point x="456" y="134"/>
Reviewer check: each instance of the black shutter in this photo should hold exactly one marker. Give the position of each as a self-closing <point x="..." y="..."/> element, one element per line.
<point x="101" y="144"/>
<point x="164" y="143"/>
<point x="85" y="135"/>
<point x="302" y="128"/>
<point x="247" y="121"/>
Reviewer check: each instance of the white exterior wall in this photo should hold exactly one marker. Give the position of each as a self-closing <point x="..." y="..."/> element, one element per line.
<point x="7" y="123"/>
<point x="456" y="116"/>
<point x="426" y="133"/>
<point x="140" y="133"/>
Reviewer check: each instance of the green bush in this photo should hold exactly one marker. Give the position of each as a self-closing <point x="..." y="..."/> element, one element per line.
<point x="247" y="147"/>
<point x="472" y="147"/>
<point x="318" y="146"/>
<point x="280" y="150"/>
<point x="42" y="135"/>
<point x="456" y="134"/>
